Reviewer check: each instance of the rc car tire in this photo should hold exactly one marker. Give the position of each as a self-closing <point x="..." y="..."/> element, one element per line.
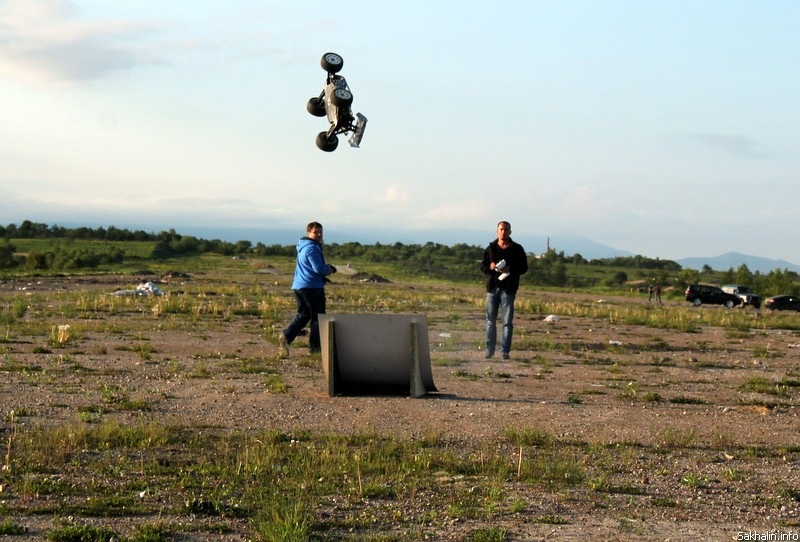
<point x="325" y="143"/>
<point x="697" y="302"/>
<point x="332" y="63"/>
<point x="316" y="107"/>
<point x="730" y="304"/>
<point x="342" y="97"/>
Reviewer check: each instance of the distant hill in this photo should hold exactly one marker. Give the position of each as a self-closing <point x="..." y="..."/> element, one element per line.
<point x="733" y="260"/>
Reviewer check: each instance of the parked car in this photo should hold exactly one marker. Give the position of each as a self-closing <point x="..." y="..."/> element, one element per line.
<point x="783" y="303"/>
<point x="701" y="293"/>
<point x="334" y="102"/>
<point x="748" y="296"/>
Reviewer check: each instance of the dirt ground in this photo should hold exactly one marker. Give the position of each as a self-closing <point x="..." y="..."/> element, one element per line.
<point x="596" y="382"/>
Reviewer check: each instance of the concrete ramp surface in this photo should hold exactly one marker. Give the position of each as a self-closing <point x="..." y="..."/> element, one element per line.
<point x="364" y="354"/>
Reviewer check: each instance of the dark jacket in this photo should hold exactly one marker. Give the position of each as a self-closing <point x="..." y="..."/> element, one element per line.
<point x="516" y="259"/>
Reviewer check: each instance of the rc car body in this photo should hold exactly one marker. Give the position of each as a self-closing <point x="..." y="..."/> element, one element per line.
<point x="334" y="103"/>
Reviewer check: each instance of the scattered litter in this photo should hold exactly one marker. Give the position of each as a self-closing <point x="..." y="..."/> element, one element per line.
<point x="793" y="345"/>
<point x="444" y="335"/>
<point x="146" y="288"/>
<point x="551" y="318"/>
<point x="370" y="277"/>
<point x="615" y="343"/>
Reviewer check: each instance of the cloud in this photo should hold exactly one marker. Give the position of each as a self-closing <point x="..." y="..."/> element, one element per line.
<point x="394" y="194"/>
<point x="44" y="42"/>
<point x="734" y="145"/>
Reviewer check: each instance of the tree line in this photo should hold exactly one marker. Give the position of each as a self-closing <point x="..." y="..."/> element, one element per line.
<point x="435" y="260"/>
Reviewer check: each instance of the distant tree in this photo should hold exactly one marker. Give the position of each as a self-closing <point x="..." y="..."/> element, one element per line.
<point x="743" y="275"/>
<point x="688" y="276"/>
<point x="729" y="277"/>
<point x="162" y="250"/>
<point x="618" y="279"/>
<point x="7" y="260"/>
<point x="243" y="247"/>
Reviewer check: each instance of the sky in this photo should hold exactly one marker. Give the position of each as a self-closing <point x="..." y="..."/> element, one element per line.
<point x="667" y="129"/>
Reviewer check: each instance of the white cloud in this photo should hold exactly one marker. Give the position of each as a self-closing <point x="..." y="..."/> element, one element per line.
<point x="44" y="42"/>
<point x="394" y="194"/>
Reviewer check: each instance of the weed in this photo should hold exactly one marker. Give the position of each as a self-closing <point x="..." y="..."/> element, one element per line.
<point x="549" y="519"/>
<point x="664" y="502"/>
<point x="488" y="534"/>
<point x="671" y="438"/>
<point x="276" y="384"/>
<point x="81" y="533"/>
<point x="9" y="528"/>
<point x="684" y="400"/>
<point x="532" y="436"/>
<point x="695" y="480"/>
<point x="758" y="384"/>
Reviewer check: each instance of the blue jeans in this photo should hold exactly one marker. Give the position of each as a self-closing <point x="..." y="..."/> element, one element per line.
<point x="498" y="301"/>
<point x="310" y="304"/>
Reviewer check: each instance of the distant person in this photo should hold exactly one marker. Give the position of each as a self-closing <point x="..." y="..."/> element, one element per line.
<point x="650" y="292"/>
<point x="308" y="287"/>
<point x="503" y="263"/>
<point x="658" y="294"/>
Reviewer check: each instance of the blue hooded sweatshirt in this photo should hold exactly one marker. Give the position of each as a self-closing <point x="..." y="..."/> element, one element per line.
<point x="311" y="268"/>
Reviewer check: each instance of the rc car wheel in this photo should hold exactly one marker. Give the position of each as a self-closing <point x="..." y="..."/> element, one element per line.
<point x="331" y="63"/>
<point x="325" y="143"/>
<point x="316" y="107"/>
<point x="697" y="302"/>
<point x="730" y="304"/>
<point x="342" y="97"/>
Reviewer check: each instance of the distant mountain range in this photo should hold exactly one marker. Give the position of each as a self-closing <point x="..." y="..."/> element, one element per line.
<point x="732" y="260"/>
<point x="570" y="245"/>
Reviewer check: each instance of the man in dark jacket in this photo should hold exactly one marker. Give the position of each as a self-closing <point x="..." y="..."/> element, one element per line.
<point x="503" y="263"/>
<point x="308" y="288"/>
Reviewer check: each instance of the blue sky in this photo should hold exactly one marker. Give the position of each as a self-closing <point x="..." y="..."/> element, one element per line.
<point x="668" y="129"/>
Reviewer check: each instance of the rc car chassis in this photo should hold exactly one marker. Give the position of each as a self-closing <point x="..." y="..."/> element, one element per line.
<point x="334" y="102"/>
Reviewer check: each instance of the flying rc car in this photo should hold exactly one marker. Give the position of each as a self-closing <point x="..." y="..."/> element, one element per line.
<point x="334" y="102"/>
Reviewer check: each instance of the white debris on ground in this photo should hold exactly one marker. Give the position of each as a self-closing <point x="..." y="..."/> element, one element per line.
<point x="551" y="318"/>
<point x="148" y="288"/>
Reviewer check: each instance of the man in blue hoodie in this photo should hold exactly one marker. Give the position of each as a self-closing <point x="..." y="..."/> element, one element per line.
<point x="308" y="287"/>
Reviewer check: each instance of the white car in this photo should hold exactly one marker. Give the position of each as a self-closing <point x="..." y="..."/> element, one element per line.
<point x="334" y="102"/>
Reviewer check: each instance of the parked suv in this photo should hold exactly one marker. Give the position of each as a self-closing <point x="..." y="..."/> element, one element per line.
<point x="748" y="296"/>
<point x="701" y="293"/>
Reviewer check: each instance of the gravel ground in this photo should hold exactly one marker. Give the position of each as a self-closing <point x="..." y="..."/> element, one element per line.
<point x="596" y="383"/>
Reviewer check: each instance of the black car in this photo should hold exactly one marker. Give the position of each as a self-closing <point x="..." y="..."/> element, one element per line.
<point x="701" y="293"/>
<point x="783" y="303"/>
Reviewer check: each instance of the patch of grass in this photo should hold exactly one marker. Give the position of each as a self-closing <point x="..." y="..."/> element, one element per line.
<point x="672" y="438"/>
<point x="550" y="519"/>
<point x="81" y="533"/>
<point x="466" y="375"/>
<point x="528" y="436"/>
<point x="488" y="534"/>
<point x="759" y="384"/>
<point x="684" y="400"/>
<point x="694" y="480"/>
<point x="276" y="384"/>
<point x="10" y="528"/>
<point x="664" y="502"/>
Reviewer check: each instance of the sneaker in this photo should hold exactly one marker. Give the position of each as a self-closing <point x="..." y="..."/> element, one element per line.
<point x="284" y="344"/>
<point x="489" y="355"/>
<point x="506" y="356"/>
